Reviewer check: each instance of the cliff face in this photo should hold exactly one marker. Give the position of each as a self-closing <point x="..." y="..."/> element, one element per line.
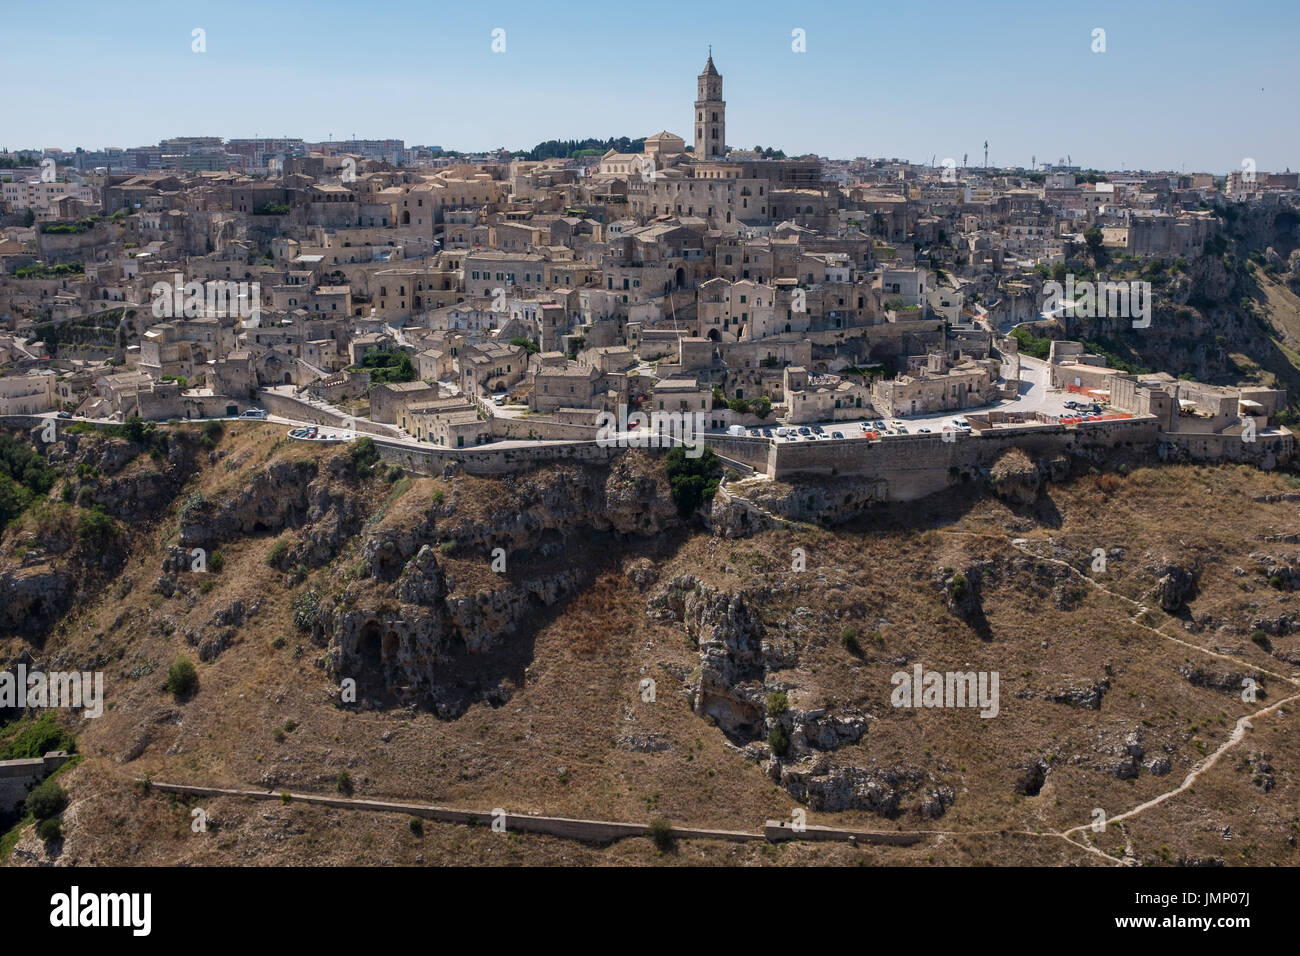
<point x="68" y="545"/>
<point x="561" y="642"/>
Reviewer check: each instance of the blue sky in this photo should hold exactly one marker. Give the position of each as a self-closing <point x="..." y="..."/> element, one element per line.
<point x="1181" y="85"/>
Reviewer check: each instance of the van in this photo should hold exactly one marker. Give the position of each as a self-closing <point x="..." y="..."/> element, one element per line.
<point x="735" y="430"/>
<point x="254" y="413"/>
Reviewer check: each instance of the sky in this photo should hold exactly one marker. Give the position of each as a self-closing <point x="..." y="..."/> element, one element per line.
<point x="1193" y="85"/>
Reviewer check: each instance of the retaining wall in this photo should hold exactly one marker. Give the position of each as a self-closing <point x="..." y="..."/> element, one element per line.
<point x="485" y="460"/>
<point x="288" y="407"/>
<point x="17" y="777"/>
<point x="590" y="831"/>
<point x="914" y="466"/>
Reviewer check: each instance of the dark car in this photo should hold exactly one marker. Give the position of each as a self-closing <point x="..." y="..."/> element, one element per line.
<point x="836" y="435"/>
<point x="805" y="430"/>
<point x="817" y="429"/>
<point x="64" y="415"/>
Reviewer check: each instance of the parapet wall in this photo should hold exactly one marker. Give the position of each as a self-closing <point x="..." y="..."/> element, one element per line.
<point x="300" y="411"/>
<point x="913" y="466"/>
<point x="753" y="452"/>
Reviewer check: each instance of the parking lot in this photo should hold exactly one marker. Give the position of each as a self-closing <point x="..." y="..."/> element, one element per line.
<point x="1035" y="396"/>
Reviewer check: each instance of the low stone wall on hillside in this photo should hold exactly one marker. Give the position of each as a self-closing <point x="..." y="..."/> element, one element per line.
<point x="17" y="777"/>
<point x="486" y="460"/>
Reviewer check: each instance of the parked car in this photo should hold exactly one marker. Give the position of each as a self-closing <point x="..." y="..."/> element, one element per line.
<point x="782" y="432"/>
<point x="499" y="400"/>
<point x="923" y="431"/>
<point x="817" y="429"/>
<point x="836" y="435"/>
<point x="64" y="415"/>
<point x="901" y="430"/>
<point x="805" y="430"/>
<point x="767" y="433"/>
<point x="961" y="423"/>
<point x="259" y="413"/>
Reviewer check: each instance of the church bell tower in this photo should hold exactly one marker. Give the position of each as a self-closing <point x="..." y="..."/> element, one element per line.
<point x="710" y="115"/>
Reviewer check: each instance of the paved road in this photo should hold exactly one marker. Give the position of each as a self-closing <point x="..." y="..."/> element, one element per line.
<point x="1035" y="396"/>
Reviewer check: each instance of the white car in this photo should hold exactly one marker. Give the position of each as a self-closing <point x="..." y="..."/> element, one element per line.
<point x="961" y="423"/>
<point x="782" y="432"/>
<point x="259" y="413"/>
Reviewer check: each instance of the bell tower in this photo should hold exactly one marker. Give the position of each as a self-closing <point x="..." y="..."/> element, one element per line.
<point x="710" y="115"/>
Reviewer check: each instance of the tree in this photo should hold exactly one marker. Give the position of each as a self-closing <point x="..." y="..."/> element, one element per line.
<point x="182" y="678"/>
<point x="692" y="481"/>
<point x="47" y="800"/>
<point x="1093" y="238"/>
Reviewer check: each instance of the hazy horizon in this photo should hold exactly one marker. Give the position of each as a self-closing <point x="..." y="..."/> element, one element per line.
<point x="931" y="80"/>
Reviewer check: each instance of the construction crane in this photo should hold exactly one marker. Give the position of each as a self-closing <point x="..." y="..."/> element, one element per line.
<point x="986" y="154"/>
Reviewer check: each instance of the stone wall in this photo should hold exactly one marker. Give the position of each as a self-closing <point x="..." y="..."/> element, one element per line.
<point x="741" y="448"/>
<point x="913" y="466"/>
<point x="17" y="777"/>
<point x="485" y="460"/>
<point x="287" y="407"/>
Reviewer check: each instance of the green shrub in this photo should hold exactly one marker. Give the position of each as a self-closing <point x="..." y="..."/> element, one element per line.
<point x="417" y="826"/>
<point x="693" y="481"/>
<point x="849" y="640"/>
<point x="306" y="612"/>
<point x="364" y="456"/>
<point x="277" y="553"/>
<point x="216" y="562"/>
<point x="182" y="678"/>
<point x="661" y="834"/>
<point x="51" y="830"/>
<point x="344" y="782"/>
<point x="37" y="737"/>
<point x="47" y="800"/>
<point x="777" y="703"/>
<point x="778" y="741"/>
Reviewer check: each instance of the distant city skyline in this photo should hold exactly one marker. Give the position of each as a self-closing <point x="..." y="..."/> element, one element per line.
<point x="1188" y="88"/>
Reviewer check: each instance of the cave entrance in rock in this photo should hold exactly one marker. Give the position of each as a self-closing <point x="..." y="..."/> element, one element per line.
<point x="369" y="647"/>
<point x="390" y="646"/>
